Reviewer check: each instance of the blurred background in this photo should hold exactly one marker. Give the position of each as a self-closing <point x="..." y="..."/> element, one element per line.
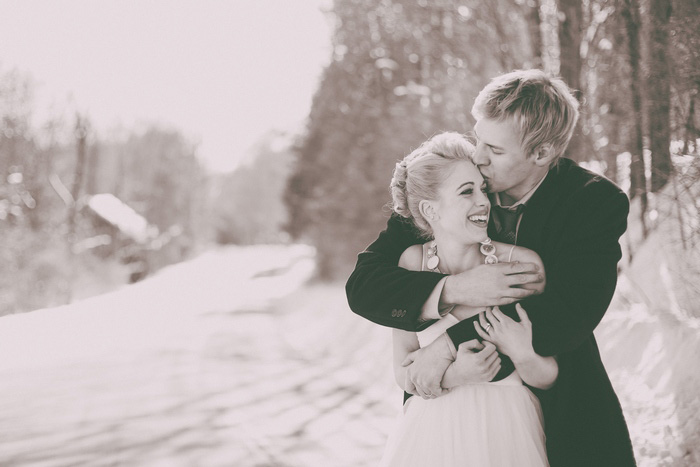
<point x="184" y="187"/>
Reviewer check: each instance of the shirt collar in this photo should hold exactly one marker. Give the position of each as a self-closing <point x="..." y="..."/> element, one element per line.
<point x="521" y="201"/>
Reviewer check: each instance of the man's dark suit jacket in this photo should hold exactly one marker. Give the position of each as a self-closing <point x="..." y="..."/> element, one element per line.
<point x="574" y="222"/>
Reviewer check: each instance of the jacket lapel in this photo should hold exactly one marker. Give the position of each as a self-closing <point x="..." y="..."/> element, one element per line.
<point x="539" y="208"/>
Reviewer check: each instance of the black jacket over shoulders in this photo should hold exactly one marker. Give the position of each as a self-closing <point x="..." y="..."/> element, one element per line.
<point x="574" y="222"/>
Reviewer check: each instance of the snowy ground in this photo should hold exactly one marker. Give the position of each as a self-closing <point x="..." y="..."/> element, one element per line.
<point x="230" y="359"/>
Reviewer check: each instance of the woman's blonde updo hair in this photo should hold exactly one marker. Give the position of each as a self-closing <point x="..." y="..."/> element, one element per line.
<point x="419" y="175"/>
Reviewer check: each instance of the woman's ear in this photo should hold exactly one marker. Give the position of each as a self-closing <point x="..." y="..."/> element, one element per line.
<point x="427" y="210"/>
<point x="544" y="155"/>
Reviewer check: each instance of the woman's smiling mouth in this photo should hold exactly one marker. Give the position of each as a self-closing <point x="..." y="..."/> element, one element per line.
<point x="481" y="220"/>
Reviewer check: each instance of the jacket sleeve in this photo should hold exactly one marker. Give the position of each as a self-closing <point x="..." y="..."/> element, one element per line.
<point x="581" y="268"/>
<point x="384" y="293"/>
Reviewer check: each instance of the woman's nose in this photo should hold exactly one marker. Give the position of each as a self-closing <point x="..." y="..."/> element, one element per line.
<point x="483" y="200"/>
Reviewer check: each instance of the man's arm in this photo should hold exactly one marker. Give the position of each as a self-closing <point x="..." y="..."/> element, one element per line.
<point x="581" y="268"/>
<point x="384" y="293"/>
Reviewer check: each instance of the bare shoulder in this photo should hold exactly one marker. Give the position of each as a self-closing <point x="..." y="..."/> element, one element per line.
<point x="519" y="254"/>
<point x="412" y="258"/>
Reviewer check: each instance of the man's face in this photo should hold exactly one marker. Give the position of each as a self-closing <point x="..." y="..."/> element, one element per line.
<point x="501" y="160"/>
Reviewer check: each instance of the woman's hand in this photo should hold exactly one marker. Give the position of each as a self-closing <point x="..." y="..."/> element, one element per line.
<point x="475" y="363"/>
<point x="510" y="337"/>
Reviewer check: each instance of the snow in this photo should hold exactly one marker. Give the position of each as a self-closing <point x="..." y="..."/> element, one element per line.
<point x="122" y="216"/>
<point x="234" y="358"/>
<point x="158" y="313"/>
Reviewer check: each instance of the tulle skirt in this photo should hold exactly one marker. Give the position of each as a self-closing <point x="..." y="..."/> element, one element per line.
<point x="477" y="425"/>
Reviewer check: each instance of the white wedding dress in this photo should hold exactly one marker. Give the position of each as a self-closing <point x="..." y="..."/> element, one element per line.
<point x="495" y="424"/>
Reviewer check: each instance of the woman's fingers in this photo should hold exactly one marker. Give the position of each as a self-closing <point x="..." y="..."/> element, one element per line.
<point x="484" y="322"/>
<point x="522" y="314"/>
<point x="491" y="317"/>
<point x="471" y="345"/>
<point x="491" y="358"/>
<point x="409" y="358"/>
<point x="498" y="314"/>
<point x="480" y="331"/>
<point x="494" y="368"/>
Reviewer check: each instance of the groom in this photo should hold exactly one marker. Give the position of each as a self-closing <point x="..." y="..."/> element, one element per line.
<point x="540" y="200"/>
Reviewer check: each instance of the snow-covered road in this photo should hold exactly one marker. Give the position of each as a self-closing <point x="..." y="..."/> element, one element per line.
<point x="232" y="359"/>
<point x="200" y="365"/>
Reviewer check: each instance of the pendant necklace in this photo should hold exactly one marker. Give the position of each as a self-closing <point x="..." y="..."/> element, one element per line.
<point x="487" y="249"/>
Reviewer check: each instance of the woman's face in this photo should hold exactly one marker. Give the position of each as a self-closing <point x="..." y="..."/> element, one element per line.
<point x="462" y="207"/>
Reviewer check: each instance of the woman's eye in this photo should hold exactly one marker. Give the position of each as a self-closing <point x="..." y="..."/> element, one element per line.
<point x="468" y="191"/>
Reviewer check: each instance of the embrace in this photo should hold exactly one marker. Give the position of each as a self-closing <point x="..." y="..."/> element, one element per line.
<point x="498" y="263"/>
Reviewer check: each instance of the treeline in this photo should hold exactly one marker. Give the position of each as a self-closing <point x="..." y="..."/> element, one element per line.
<point x="50" y="239"/>
<point x="403" y="70"/>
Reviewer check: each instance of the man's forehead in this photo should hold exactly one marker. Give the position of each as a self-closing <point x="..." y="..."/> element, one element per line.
<point x="501" y="131"/>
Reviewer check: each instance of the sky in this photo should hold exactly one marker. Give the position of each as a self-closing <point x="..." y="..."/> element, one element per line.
<point x="223" y="72"/>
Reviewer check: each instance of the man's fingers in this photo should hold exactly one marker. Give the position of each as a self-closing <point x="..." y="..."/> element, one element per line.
<point x="524" y="278"/>
<point x="506" y="300"/>
<point x="517" y="294"/>
<point x="519" y="268"/>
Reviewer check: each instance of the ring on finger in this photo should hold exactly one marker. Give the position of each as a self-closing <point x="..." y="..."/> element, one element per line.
<point x="487" y="327"/>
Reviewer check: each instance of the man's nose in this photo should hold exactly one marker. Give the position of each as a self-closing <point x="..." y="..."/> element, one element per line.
<point x="481" y="155"/>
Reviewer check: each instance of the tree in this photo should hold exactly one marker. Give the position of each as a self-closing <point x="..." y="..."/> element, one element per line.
<point x="630" y="14"/>
<point x="248" y="204"/>
<point x="659" y="92"/>
<point x="570" y="32"/>
<point x="401" y="71"/>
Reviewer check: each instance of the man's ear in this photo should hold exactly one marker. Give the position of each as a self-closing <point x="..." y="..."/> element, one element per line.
<point x="427" y="210"/>
<point x="544" y="155"/>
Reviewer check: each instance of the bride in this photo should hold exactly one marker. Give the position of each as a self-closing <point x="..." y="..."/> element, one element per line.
<point x="475" y="421"/>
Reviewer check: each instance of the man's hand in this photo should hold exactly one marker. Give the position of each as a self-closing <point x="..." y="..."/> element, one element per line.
<point x="426" y="367"/>
<point x="492" y="285"/>
<point x="510" y="337"/>
<point x="475" y="363"/>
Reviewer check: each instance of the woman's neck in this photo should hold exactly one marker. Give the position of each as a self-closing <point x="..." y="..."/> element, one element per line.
<point x="456" y="256"/>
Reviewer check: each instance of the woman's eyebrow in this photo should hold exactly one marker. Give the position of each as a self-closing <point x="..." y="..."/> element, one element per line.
<point x="463" y="184"/>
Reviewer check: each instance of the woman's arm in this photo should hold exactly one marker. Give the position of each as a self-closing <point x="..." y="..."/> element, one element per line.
<point x="404" y="342"/>
<point x="514" y="339"/>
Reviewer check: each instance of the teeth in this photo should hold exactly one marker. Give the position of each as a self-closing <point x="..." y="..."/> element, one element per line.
<point x="478" y="218"/>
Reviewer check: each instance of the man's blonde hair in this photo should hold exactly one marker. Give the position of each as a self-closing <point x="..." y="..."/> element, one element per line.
<point x="542" y="107"/>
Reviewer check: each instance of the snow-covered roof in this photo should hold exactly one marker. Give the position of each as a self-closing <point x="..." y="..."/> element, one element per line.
<point x="122" y="216"/>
